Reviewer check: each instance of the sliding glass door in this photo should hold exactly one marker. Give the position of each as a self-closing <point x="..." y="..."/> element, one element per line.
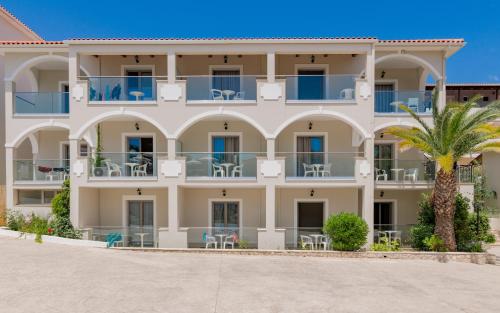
<point x="225" y="217"/>
<point x="310" y="150"/>
<point x="140" y="221"/>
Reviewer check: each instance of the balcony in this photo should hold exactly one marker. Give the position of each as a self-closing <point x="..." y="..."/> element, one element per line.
<point x="45" y="103"/>
<point x="390" y="171"/>
<point x="319" y="165"/>
<point x="41" y="171"/>
<point x="307" y="88"/>
<point x="119" y="166"/>
<point x="221" y="89"/>
<point x="388" y="102"/>
<point x="122" y="89"/>
<point x="221" y="165"/>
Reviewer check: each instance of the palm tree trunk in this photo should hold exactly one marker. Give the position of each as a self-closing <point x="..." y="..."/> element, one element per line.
<point x="443" y="201"/>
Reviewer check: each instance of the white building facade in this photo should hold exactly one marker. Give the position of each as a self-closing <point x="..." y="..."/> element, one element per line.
<point x="169" y="140"/>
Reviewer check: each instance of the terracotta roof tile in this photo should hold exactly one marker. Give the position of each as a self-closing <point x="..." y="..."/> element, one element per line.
<point x="30" y="43"/>
<point x="439" y="41"/>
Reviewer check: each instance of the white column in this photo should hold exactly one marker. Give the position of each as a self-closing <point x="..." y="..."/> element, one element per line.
<point x="270" y="207"/>
<point x="75" y="190"/>
<point x="271" y="67"/>
<point x="171" y="67"/>
<point x="171" y="148"/>
<point x="10" y="89"/>
<point x="73" y="68"/>
<point x="368" y="191"/>
<point x="9" y="179"/>
<point x="370" y="77"/>
<point x="271" y="148"/>
<point x="441" y="87"/>
<point x="173" y="208"/>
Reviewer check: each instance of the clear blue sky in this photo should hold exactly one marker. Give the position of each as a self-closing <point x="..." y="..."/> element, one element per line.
<point x="478" y="24"/>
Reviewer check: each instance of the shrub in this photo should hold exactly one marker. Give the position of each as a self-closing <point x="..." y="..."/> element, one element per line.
<point x="15" y="220"/>
<point x="61" y="223"/>
<point x="61" y="227"/>
<point x="243" y="244"/>
<point x="32" y="224"/>
<point x="418" y="233"/>
<point x="61" y="202"/>
<point x="435" y="243"/>
<point x="384" y="245"/>
<point x="347" y="231"/>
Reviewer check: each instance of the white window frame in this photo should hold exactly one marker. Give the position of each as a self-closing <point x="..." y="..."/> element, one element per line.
<point x="296" y="202"/>
<point x="309" y="134"/>
<point x="240" y="212"/>
<point x="320" y="66"/>
<point x="127" y="198"/>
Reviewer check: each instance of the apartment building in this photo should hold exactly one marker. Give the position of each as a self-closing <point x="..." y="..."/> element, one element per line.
<point x="168" y="140"/>
<point x="10" y="29"/>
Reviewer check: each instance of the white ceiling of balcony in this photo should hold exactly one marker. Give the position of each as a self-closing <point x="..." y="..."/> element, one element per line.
<point x="52" y="66"/>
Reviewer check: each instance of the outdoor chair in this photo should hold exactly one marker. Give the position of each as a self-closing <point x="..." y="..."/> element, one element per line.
<point x="326" y="170"/>
<point x="240" y="95"/>
<point x="229" y="241"/>
<point x="411" y="174"/>
<point x="325" y="242"/>
<point x="113" y="168"/>
<point x="347" y="94"/>
<point x="114" y="239"/>
<point x="306" y="241"/>
<point x="217" y="170"/>
<point x="216" y="94"/>
<point x="413" y="104"/>
<point x="209" y="241"/>
<point x="237" y="170"/>
<point x="308" y="169"/>
<point x="141" y="170"/>
<point x="115" y="92"/>
<point x="380" y="174"/>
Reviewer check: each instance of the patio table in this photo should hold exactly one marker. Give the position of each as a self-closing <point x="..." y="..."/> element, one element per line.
<point x="132" y="166"/>
<point x="142" y="238"/>
<point x="228" y="93"/>
<point x="137" y="94"/>
<point x="316" y="238"/>
<point x="221" y="236"/>
<point x="226" y="167"/>
<point x="396" y="172"/>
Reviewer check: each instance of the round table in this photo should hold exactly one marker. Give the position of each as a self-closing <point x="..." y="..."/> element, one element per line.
<point x="396" y="173"/>
<point x="226" y="167"/>
<point x="316" y="238"/>
<point x="317" y="168"/>
<point x="137" y="94"/>
<point x="228" y="93"/>
<point x="132" y="165"/>
<point x="389" y="234"/>
<point x="142" y="238"/>
<point x="221" y="236"/>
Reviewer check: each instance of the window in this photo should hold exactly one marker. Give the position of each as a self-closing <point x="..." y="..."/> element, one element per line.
<point x="84" y="149"/>
<point x="225" y="216"/>
<point x="384" y="96"/>
<point x="383" y="215"/>
<point x="140" y="150"/>
<point x="141" y="220"/>
<point x="139" y="81"/>
<point x="310" y="150"/>
<point x="227" y="80"/>
<point x="226" y="149"/>
<point x="384" y="159"/>
<point x="311" y="84"/>
<point x="33" y="197"/>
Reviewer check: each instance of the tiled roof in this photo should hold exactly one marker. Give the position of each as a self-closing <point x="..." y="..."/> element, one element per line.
<point x="30" y="43"/>
<point x="424" y="41"/>
<point x="26" y="28"/>
<point x="230" y="38"/>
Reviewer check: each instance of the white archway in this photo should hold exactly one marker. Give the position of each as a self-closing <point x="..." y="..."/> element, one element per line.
<point x="220" y="112"/>
<point x="30" y="130"/>
<point x="40" y="59"/>
<point x="414" y="59"/>
<point x="119" y="113"/>
<point x="396" y="123"/>
<point x="336" y="115"/>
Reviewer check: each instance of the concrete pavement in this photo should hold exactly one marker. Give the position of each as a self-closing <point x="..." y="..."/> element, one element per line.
<point x="56" y="278"/>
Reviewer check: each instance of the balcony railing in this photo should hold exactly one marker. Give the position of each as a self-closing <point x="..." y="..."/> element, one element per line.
<point x="321" y="87"/>
<point x="221" y="88"/>
<point x="197" y="236"/>
<point x="41" y="103"/>
<point x="319" y="165"/>
<point x="130" y="236"/>
<point x="395" y="170"/>
<point x="125" y="88"/>
<point x="41" y="170"/>
<point x="221" y="165"/>
<point x="395" y="231"/>
<point x="389" y="101"/>
<point x="132" y="165"/>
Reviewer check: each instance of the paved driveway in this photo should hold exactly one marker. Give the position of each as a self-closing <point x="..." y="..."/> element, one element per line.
<point x="55" y="278"/>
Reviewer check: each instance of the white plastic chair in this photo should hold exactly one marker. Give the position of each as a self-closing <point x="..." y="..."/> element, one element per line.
<point x="380" y="234"/>
<point x="113" y="168"/>
<point x="217" y="170"/>
<point x="411" y="174"/>
<point x="141" y="170"/>
<point x="326" y="170"/>
<point x="347" y="94"/>
<point x="380" y="174"/>
<point x="240" y="95"/>
<point x="229" y="241"/>
<point x="413" y="104"/>
<point x="396" y="236"/>
<point x="216" y="94"/>
<point x="237" y="170"/>
<point x="307" y="241"/>
<point x="325" y="242"/>
<point x="210" y="241"/>
<point x="308" y="169"/>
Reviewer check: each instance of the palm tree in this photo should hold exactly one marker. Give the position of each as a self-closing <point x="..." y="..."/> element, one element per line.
<point x="457" y="130"/>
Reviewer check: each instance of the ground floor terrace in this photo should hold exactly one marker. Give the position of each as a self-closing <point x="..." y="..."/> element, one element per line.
<point x="130" y="281"/>
<point x="232" y="216"/>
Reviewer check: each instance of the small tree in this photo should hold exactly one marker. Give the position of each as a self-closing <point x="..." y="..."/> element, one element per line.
<point x="61" y="223"/>
<point x="347" y="231"/>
